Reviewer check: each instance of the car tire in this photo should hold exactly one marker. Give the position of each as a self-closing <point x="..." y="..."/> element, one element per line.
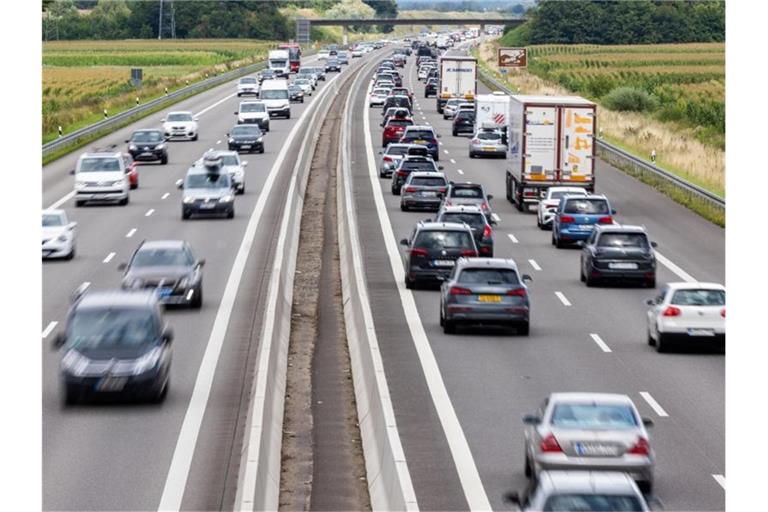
<point x="442" y="320"/>
<point x="231" y="214"/>
<point x="164" y="160"/>
<point x="589" y="281"/>
<point x="241" y="190"/>
<point x="403" y="208"/>
<point x="523" y="329"/>
<point x="651" y="283"/>
<point x="449" y="326"/>
<point x="455" y="133"/>
<point x="471" y="155"/>
<point x="158" y="396"/>
<point x="528" y="470"/>
<point x="396" y="191"/>
<point x="538" y="223"/>
<point x="184" y="215"/>
<point x="134" y="186"/>
<point x="195" y="137"/>
<point x="71" y="254"/>
<point x="661" y="345"/>
<point x="409" y="283"/>
<point x="651" y="341"/>
<point x="125" y="201"/>
<point x="645" y="486"/>
<point x="78" y="203"/>
<point x="288" y="116"/>
<point x="70" y="396"/>
<point x="582" y="277"/>
<point x="197" y="302"/>
<point x="261" y="150"/>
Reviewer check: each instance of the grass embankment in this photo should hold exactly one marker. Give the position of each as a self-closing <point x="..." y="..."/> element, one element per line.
<point x="83" y="78"/>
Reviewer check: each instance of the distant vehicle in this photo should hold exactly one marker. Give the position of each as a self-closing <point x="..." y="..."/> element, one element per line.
<point x="305" y="84"/>
<point x="468" y="193"/>
<point x="487" y="143"/>
<point x="425" y="135"/>
<point x="396" y="152"/>
<point x="101" y="177"/>
<point x="423" y="190"/>
<point x="398" y="112"/>
<point x="409" y="164"/>
<point x="589" y="431"/>
<point x="148" y="145"/>
<point x="319" y="72"/>
<point x="266" y="74"/>
<point x="295" y="94"/>
<point x="391" y="100"/>
<point x="115" y="343"/>
<point x="168" y="267"/>
<point x="486" y="291"/>
<point x="430" y="89"/>
<point x="577" y="216"/>
<point x="246" y="137"/>
<point x="180" y="125"/>
<point x="294" y="55"/>
<point x="463" y="122"/>
<point x="618" y="253"/>
<point x="450" y="107"/>
<point x="492" y="110"/>
<point x="394" y="129"/>
<point x="568" y="123"/>
<point x="343" y="58"/>
<point x="473" y="217"/>
<point x="231" y="163"/>
<point x="687" y="313"/>
<point x="457" y="77"/>
<point x="59" y="235"/>
<point x="547" y="207"/>
<point x="323" y="54"/>
<point x="332" y="64"/>
<point x="274" y="94"/>
<point x="253" y="112"/>
<point x="309" y="73"/>
<point x="378" y="96"/>
<point x="248" y="85"/>
<point x="357" y="52"/>
<point x="279" y="62"/>
<point x="432" y="251"/>
<point x="207" y="190"/>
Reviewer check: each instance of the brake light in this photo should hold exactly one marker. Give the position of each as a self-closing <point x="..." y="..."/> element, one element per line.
<point x="416" y="251"/>
<point x="410" y="189"/>
<point x="387" y="159"/>
<point x="484" y="206"/>
<point x="518" y="292"/>
<point x="442" y="190"/>
<point x="468" y="252"/>
<point x="487" y="231"/>
<point x="457" y="290"/>
<point x="567" y="219"/>
<point x="641" y="447"/>
<point x="550" y="445"/>
<point x="605" y="220"/>
<point x="671" y="311"/>
<point x="402" y="173"/>
<point x="722" y="312"/>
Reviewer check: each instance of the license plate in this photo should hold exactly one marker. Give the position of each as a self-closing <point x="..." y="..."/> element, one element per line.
<point x="595" y="449"/>
<point x="623" y="266"/>
<point x="429" y="194"/>
<point x="164" y="292"/>
<point x="584" y="227"/>
<point x="443" y="263"/>
<point x="489" y="298"/>
<point x="111" y="383"/>
<point x="207" y="205"/>
<point x="99" y="196"/>
<point x="701" y="332"/>
<point x="245" y="146"/>
<point x="419" y="142"/>
<point x="147" y="153"/>
<point x="488" y="148"/>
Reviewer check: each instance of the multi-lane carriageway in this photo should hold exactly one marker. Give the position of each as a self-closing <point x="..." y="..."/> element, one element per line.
<point x="458" y="400"/>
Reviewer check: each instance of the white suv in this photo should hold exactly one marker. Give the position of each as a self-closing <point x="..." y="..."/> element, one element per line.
<point x="253" y="112"/>
<point x="248" y="85"/>
<point x="101" y="177"/>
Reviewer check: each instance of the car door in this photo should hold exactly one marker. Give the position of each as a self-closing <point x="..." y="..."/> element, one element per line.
<point x="586" y="252"/>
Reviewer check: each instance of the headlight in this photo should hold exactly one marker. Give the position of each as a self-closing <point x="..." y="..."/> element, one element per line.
<point x="141" y="364"/>
<point x="160" y="146"/>
<point x="74" y="362"/>
<point x="118" y="183"/>
<point x="188" y="200"/>
<point x="227" y="199"/>
<point x="132" y="147"/>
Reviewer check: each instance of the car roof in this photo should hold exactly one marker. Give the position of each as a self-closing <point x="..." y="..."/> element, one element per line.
<point x="619" y="228"/>
<point x="570" y="397"/>
<point x="604" y="482"/>
<point x="442" y="226"/>
<point x="102" y="153"/>
<point x="695" y="285"/>
<point x="162" y="244"/>
<point x="420" y="127"/>
<point x="117" y="298"/>
<point x="418" y="158"/>
<point x="507" y="263"/>
<point x="179" y="112"/>
<point x="466" y="184"/>
<point x="588" y="196"/>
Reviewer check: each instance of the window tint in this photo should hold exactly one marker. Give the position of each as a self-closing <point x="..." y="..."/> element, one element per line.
<point x="592" y="503"/>
<point x="99" y="164"/>
<point x="252" y="107"/>
<point x="469" y="192"/>
<point x="111" y="328"/>
<point x="443" y="240"/>
<point x="428" y="182"/>
<point x="248" y="80"/>
<point x="636" y="240"/>
<point x="420" y="134"/>
<point x="419" y="166"/>
<point x="161" y="258"/>
<point x="559" y="194"/>
<point x="466" y="114"/>
<point x="396" y="150"/>
<point x="399" y="122"/>
<point x="179" y="117"/>
<point x="418" y="151"/>
<point x="474" y="220"/>
<point x="146" y="137"/>
<point x="593" y="415"/>
<point x="229" y="160"/>
<point x="488" y="276"/>
<point x="489" y="136"/>
<point x="700" y="297"/>
<point x="275" y="94"/>
<point x="586" y="206"/>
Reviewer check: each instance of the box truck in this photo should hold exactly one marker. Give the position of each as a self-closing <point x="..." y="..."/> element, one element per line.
<point x="457" y="78"/>
<point x="492" y="110"/>
<point x="551" y="142"/>
<point x="279" y="62"/>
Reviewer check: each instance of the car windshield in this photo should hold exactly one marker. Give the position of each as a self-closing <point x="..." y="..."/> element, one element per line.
<point x="423" y="181"/>
<point x="111" y="328"/>
<point x="443" y="240"/>
<point x="152" y="136"/>
<point x="636" y="240"/>
<point x="380" y="91"/>
<point x="592" y="503"/>
<point x="229" y="160"/>
<point x="252" y="107"/>
<point x="420" y="134"/>
<point x="586" y="206"/>
<point x="52" y="220"/>
<point x="179" y="117"/>
<point x="474" y="220"/>
<point x="161" y="258"/>
<point x="208" y="180"/>
<point x="418" y="166"/>
<point x="305" y="71"/>
<point x="489" y="136"/>
<point x="467" y="192"/>
<point x="593" y="416"/>
<point x="699" y="297"/>
<point x="488" y="276"/>
<point x="559" y="194"/>
<point x="244" y="131"/>
<point x="275" y="94"/>
<point x="99" y="164"/>
<point x="248" y="80"/>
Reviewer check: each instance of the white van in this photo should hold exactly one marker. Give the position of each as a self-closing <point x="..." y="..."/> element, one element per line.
<point x="279" y="62"/>
<point x="101" y="177"/>
<point x="274" y="94"/>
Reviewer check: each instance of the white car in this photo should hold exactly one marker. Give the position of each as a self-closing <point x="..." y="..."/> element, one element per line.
<point x="323" y="54"/>
<point x="253" y="112"/>
<point x="248" y="85"/>
<point x="180" y="125"/>
<point x="357" y="52"/>
<point x="305" y="84"/>
<point x="58" y="235"/>
<point x="687" y="312"/>
<point x="378" y="97"/>
<point x="549" y="203"/>
<point x="101" y="176"/>
<point x="231" y="163"/>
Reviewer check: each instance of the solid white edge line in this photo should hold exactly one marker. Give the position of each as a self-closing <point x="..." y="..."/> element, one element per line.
<point x="149" y="212"/>
<point x="454" y="434"/>
<point x="512" y="237"/>
<point x="654" y="404"/>
<point x="600" y="343"/>
<point x="130" y="233"/>
<point x="178" y="472"/>
<point x="720" y="479"/>
<point x="109" y="257"/>
<point x="682" y="274"/>
<point x="562" y="298"/>
<point x="534" y="265"/>
<point x="49" y="328"/>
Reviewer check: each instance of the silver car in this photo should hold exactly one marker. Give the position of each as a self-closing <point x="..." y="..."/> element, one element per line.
<point x="583" y="491"/>
<point x="395" y="152"/>
<point x="485" y="291"/>
<point x="487" y="143"/>
<point x="589" y="431"/>
<point x="450" y="108"/>
<point x="468" y="193"/>
<point x="548" y="205"/>
<point x="423" y="190"/>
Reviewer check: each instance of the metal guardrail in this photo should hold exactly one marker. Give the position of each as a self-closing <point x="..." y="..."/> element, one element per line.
<point x="635" y="166"/>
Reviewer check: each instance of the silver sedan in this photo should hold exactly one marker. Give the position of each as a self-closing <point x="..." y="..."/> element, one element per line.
<point x="487" y="143"/>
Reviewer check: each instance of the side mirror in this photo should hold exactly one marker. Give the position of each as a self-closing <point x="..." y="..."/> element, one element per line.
<point x="122" y="266"/>
<point x="647" y="422"/>
<point x="613" y="211"/>
<point x="59" y="340"/>
<point x="179" y="184"/>
<point x="527" y="277"/>
<point x="200" y="263"/>
<point x="167" y="334"/>
<point x="654" y="244"/>
<point x="489" y="196"/>
<point x="650" y="302"/>
<point x="71" y="226"/>
<point x="440" y="167"/>
<point x="512" y="497"/>
<point x="404" y="242"/>
<point x="245" y="162"/>
<point x="531" y="419"/>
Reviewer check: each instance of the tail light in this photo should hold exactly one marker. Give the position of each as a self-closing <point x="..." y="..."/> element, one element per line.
<point x="671" y="311"/>
<point x="457" y="290"/>
<point x="518" y="292"/>
<point x="402" y="173"/>
<point x="387" y="159"/>
<point x="605" y="220"/>
<point x="487" y="231"/>
<point x="484" y="206"/>
<point x="410" y="189"/>
<point x="722" y="312"/>
<point x="468" y="252"/>
<point x="416" y="251"/>
<point x="550" y="445"/>
<point x="442" y="190"/>
<point x="485" y="249"/>
<point x="567" y="219"/>
<point x="641" y="447"/>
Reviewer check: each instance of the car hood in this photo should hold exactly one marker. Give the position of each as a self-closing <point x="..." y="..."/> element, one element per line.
<point x="170" y="273"/>
<point x="148" y="145"/>
<point x="53" y="231"/>
<point x="185" y="124"/>
<point x="105" y="176"/>
<point x="241" y="138"/>
<point x="207" y="192"/>
<point x="109" y="355"/>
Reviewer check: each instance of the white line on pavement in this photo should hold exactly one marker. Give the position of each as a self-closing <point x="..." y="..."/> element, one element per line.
<point x="534" y="264"/>
<point x="654" y="404"/>
<point x="446" y="151"/>
<point x="165" y="195"/>
<point x="460" y="171"/>
<point x="720" y="479"/>
<point x="453" y="161"/>
<point x="682" y="274"/>
<point x="218" y="142"/>
<point x="149" y="212"/>
<point x="563" y="299"/>
<point x="214" y="105"/>
<point x="61" y="201"/>
<point x="109" y="257"/>
<point x="512" y="237"/>
<point x="130" y="233"/>
<point x="51" y="326"/>
<point x="495" y="218"/>
<point x="600" y="343"/>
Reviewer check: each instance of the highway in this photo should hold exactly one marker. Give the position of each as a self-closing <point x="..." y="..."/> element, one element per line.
<point x="459" y="400"/>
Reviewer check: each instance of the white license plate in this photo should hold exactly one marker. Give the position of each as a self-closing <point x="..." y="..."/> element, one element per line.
<point x="207" y="205"/>
<point x="595" y="449"/>
<point x="428" y="194"/>
<point x="701" y="332"/>
<point x="623" y="266"/>
<point x="245" y="146"/>
<point x="444" y="263"/>
<point x="146" y="154"/>
<point x="111" y="384"/>
<point x="584" y="227"/>
<point x="99" y="196"/>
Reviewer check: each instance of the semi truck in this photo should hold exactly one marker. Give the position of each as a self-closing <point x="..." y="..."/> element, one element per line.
<point x="279" y="62"/>
<point x="551" y="142"/>
<point x="294" y="55"/>
<point x="457" y="78"/>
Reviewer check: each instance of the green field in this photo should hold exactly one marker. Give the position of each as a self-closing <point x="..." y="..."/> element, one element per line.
<point x="83" y="78"/>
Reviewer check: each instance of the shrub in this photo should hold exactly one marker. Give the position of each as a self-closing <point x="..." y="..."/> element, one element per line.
<point x="630" y="99"/>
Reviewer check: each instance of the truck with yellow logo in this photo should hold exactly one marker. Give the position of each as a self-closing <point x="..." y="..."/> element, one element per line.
<point x="550" y="142"/>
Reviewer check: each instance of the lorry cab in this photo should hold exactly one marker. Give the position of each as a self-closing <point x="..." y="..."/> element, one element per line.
<point x="274" y="94"/>
<point x="279" y="62"/>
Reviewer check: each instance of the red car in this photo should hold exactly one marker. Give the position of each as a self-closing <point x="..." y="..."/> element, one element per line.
<point x="394" y="129"/>
<point x="131" y="169"/>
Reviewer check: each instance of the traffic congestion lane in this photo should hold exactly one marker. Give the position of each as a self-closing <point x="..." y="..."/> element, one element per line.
<point x="464" y="365"/>
<point x="91" y="431"/>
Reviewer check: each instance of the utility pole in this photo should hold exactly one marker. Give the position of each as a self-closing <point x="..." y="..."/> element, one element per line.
<point x="173" y="19"/>
<point x="160" y="22"/>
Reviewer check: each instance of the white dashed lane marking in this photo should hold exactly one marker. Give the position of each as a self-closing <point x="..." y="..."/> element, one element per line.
<point x="165" y="195"/>
<point x="131" y="233"/>
<point x="150" y="212"/>
<point x="460" y="171"/>
<point x="534" y="265"/>
<point x="51" y="326"/>
<point x="600" y="343"/>
<point x="563" y="299"/>
<point x="720" y="479"/>
<point x="109" y="257"/>
<point x="654" y="404"/>
<point x="512" y="237"/>
<point x="453" y="161"/>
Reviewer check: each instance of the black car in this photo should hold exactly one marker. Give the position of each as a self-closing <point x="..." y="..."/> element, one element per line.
<point x="332" y="65"/>
<point x="295" y="94"/>
<point x="148" y="145"/>
<point x="170" y="268"/>
<point x="433" y="249"/>
<point x="246" y="137"/>
<point x="115" y="343"/>
<point x="476" y="220"/>
<point x="266" y="74"/>
<point x="409" y="164"/>
<point x="431" y="88"/>
<point x="207" y="190"/>
<point x="619" y="253"/>
<point x="397" y="101"/>
<point x="464" y="122"/>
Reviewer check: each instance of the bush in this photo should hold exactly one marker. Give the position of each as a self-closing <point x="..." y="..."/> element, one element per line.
<point x="630" y="99"/>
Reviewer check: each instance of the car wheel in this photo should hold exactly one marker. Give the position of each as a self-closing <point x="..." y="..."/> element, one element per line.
<point x="582" y="278"/>
<point x="184" y="215"/>
<point x="651" y="283"/>
<point x="70" y="396"/>
<point x="646" y="486"/>
<point x="455" y="133"/>
<point x="197" y="302"/>
<point x="523" y="328"/>
<point x="261" y="150"/>
<point x="538" y="223"/>
<point x="409" y="283"/>
<point x="661" y="345"/>
<point x="528" y="469"/>
<point x="71" y="253"/>
<point x="241" y="190"/>
<point x="449" y="326"/>
<point x="164" y="160"/>
<point x="403" y="208"/>
<point x="396" y="191"/>
<point x="231" y="214"/>
<point x="651" y="341"/>
<point x="125" y="201"/>
<point x="288" y="116"/>
<point x="78" y="204"/>
<point x="195" y="137"/>
<point x="590" y="281"/>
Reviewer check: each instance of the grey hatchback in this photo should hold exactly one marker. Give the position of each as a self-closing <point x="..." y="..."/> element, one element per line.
<point x="485" y="291"/>
<point x="423" y="190"/>
<point x="433" y="249"/>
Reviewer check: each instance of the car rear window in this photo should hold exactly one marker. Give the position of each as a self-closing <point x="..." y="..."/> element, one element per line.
<point x="593" y="503"/>
<point x="699" y="297"/>
<point x="559" y="194"/>
<point x="99" y="164"/>
<point x="252" y="107"/>
<point x="428" y="182"/>
<point x="465" y="114"/>
<point x="396" y="150"/>
<point x="488" y="276"/>
<point x="399" y="122"/>
<point x="418" y="151"/>
<point x="474" y="220"/>
<point x="434" y="239"/>
<point x="420" y="134"/>
<point x="489" y="136"/>
<point x="468" y="192"/>
<point x="637" y="240"/>
<point x="593" y="415"/>
<point x="419" y="166"/>
<point x="586" y="206"/>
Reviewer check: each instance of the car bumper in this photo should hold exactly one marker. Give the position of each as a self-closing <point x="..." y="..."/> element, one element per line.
<point x="279" y="111"/>
<point x="155" y="154"/>
<point x="247" y="91"/>
<point x="480" y="150"/>
<point x="128" y="385"/>
<point x="638" y="467"/>
<point x="486" y="313"/>
<point x="180" y="136"/>
<point x="429" y="274"/>
<point x="54" y="249"/>
<point x="262" y="123"/>
<point x="254" y="146"/>
<point x="572" y="235"/>
<point x="623" y="274"/>
<point x="428" y="203"/>
<point x="105" y="195"/>
<point x="376" y="101"/>
<point x="216" y="209"/>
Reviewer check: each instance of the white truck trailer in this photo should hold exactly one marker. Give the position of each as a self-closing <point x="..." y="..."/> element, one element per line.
<point x="551" y="142"/>
<point x="492" y="110"/>
<point x="457" y="79"/>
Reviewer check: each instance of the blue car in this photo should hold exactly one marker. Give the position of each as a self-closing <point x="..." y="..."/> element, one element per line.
<point x="577" y="216"/>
